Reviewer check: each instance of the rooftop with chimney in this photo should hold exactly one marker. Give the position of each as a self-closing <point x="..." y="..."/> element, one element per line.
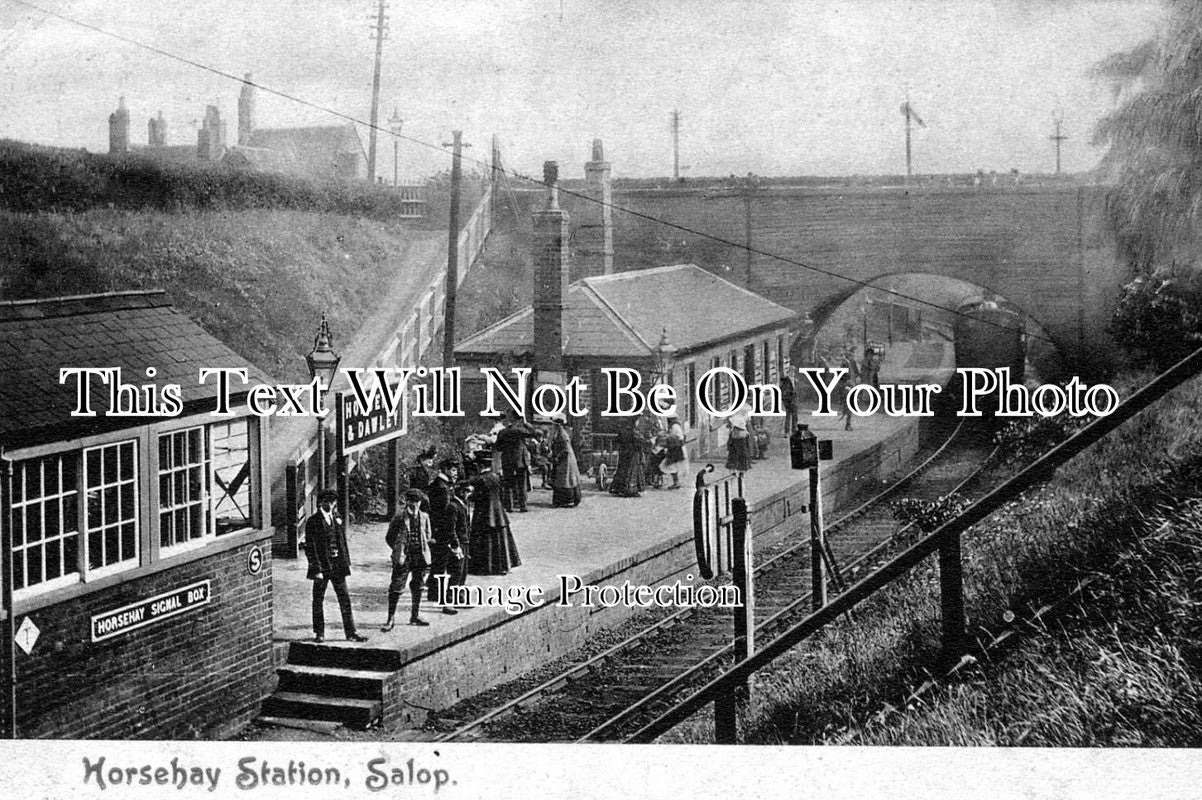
<point x="623" y="316"/>
<point x="314" y="151"/>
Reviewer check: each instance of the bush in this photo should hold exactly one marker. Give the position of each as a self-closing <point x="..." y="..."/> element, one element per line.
<point x="1030" y="437"/>
<point x="45" y="179"/>
<point x="928" y="515"/>
<point x="1159" y="318"/>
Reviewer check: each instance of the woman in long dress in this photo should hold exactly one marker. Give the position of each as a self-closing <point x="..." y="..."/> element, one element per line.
<point x="565" y="474"/>
<point x="676" y="458"/>
<point x="628" y="478"/>
<point x="738" y="440"/>
<point x="492" y="550"/>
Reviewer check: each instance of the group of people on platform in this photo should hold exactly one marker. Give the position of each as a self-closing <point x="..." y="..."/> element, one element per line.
<point x="454" y="520"/>
<point x="647" y="455"/>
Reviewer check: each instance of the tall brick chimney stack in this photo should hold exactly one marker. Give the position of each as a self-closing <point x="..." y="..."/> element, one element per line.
<point x="246" y="112"/>
<point x="210" y="139"/>
<point x="157" y="131"/>
<point x="119" y="129"/>
<point x="550" y="276"/>
<point x="596" y="232"/>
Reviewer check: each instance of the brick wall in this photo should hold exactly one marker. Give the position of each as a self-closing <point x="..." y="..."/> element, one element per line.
<point x="200" y="674"/>
<point x="1044" y="248"/>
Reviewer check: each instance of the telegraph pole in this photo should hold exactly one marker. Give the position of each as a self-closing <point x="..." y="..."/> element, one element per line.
<point x="448" y="314"/>
<point x="911" y="115"/>
<point x="676" y="145"/>
<point x="1057" y="137"/>
<point x="380" y="31"/>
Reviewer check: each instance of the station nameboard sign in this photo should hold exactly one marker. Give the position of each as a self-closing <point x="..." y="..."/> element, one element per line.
<point x="152" y="609"/>
<point x="358" y="431"/>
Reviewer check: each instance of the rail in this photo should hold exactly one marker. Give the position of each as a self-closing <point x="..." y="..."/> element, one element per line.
<point x="774" y="620"/>
<point x="945" y="540"/>
<point x="555" y="682"/>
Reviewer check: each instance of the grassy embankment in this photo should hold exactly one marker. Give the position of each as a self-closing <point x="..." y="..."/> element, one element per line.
<point x="254" y="258"/>
<point x="1124" y="666"/>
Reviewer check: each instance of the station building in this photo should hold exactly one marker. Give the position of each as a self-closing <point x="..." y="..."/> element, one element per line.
<point x="136" y="555"/>
<point x="671" y="323"/>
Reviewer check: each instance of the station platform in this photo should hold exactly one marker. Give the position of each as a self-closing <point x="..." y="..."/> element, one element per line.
<point x="605" y="540"/>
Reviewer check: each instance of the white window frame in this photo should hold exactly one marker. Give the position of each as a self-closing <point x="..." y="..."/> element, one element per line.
<point x="69" y="577"/>
<point x="86" y="572"/>
<point x="206" y="500"/>
<point x="214" y="487"/>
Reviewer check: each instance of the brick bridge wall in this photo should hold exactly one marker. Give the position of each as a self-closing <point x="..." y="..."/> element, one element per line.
<point x="1042" y="247"/>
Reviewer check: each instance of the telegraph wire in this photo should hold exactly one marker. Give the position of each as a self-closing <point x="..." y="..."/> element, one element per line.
<point x="867" y="284"/>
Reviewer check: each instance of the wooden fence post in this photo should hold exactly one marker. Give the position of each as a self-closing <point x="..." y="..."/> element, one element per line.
<point x="817" y="576"/>
<point x="744" y="582"/>
<point x="726" y="720"/>
<point x="951" y="599"/>
<point x="392" y="478"/>
<point x="293" y="492"/>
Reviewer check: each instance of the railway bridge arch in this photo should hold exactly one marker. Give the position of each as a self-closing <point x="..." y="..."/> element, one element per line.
<point x="1043" y="247"/>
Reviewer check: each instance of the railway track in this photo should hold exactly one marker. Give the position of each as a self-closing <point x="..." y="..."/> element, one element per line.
<point x="615" y="691"/>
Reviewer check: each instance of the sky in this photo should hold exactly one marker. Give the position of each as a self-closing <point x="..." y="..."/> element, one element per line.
<point x="775" y="87"/>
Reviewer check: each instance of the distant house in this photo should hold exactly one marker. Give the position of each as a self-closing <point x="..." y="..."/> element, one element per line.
<point x="329" y="150"/>
<point x="319" y="152"/>
<point x="679" y="321"/>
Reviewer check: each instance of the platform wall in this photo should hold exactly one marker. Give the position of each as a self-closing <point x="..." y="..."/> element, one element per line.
<point x="500" y="647"/>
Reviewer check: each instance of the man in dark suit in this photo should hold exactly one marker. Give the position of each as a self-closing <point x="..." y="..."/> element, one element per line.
<point x="449" y="533"/>
<point x="329" y="562"/>
<point x="515" y="461"/>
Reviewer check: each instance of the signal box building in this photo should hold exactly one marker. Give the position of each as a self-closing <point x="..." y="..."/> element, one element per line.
<point x="136" y="557"/>
<point x="674" y="322"/>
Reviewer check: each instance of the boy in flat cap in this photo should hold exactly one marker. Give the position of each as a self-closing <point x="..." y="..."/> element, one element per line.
<point x="409" y="539"/>
<point x="329" y="562"/>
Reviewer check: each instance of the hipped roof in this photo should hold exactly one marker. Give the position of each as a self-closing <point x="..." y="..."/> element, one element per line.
<point x="623" y="316"/>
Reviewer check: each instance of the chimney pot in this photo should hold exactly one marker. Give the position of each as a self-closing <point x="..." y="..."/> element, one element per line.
<point x="119" y="128"/>
<point x="595" y="242"/>
<point x="551" y="242"/>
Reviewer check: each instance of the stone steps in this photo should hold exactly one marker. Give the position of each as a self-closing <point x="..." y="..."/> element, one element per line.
<point x="330" y="683"/>
<point x="352" y="712"/>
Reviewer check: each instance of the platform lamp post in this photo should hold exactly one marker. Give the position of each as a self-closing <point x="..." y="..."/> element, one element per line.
<point x="394" y="124"/>
<point x="663" y="356"/>
<point x="323" y="365"/>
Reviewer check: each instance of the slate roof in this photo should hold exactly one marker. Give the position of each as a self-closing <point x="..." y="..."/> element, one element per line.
<point x="130" y="330"/>
<point x="623" y="316"/>
<point x="260" y="159"/>
<point x="315" y="149"/>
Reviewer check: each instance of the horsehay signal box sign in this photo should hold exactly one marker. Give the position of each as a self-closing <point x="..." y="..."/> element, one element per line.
<point x="152" y="609"/>
<point x="358" y="430"/>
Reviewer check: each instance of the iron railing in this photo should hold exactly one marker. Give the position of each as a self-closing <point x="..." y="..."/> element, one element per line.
<point x="946" y="540"/>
